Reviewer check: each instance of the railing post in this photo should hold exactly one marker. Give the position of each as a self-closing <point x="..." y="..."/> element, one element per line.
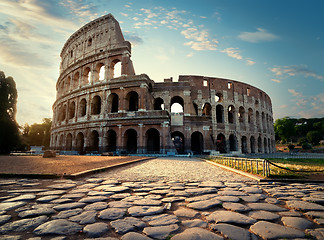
<point x="264" y="166"/>
<point x="251" y="166"/>
<point x="257" y="166"/>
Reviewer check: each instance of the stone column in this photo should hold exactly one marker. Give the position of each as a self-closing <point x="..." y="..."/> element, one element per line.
<point x="120" y="139"/>
<point x="141" y="142"/>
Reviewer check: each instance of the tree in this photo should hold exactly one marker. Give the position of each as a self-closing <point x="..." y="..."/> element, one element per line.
<point x="9" y="135"/>
<point x="284" y="128"/>
<point x="37" y="134"/>
<point x="314" y="137"/>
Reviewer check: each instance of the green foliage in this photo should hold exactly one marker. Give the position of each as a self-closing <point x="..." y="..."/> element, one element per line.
<point x="314" y="137"/>
<point x="301" y="141"/>
<point x="306" y="146"/>
<point x="37" y="134"/>
<point x="9" y="135"/>
<point x="284" y="128"/>
<point x="291" y="147"/>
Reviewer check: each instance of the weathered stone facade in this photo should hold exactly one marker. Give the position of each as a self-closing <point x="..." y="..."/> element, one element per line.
<point x="96" y="111"/>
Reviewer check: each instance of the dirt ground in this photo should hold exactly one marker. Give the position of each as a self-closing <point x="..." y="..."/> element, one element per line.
<point x="60" y="165"/>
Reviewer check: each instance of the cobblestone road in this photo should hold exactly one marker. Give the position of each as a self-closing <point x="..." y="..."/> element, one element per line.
<point x="160" y="199"/>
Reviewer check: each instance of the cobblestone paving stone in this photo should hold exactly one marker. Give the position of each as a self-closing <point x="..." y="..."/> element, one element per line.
<point x="160" y="199"/>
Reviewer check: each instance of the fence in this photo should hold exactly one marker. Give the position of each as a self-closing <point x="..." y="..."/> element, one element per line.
<point x="252" y="165"/>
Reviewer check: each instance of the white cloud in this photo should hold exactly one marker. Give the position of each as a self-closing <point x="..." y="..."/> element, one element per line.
<point x="232" y="52"/>
<point x="200" y="39"/>
<point x="203" y="17"/>
<point x="276" y="80"/>
<point x="262" y="35"/>
<point x="295" y="93"/>
<point x="190" y="54"/>
<point x="250" y="62"/>
<point x="124" y="14"/>
<point x="288" y="71"/>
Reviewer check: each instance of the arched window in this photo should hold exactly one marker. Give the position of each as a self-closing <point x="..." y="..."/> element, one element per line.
<point x="100" y="72"/>
<point x="86" y="78"/>
<point x="63" y="112"/>
<point x="68" y="145"/>
<point x="197" y="143"/>
<point x="89" y="42"/>
<point x="83" y="108"/>
<point x="241" y="114"/>
<point x="96" y="105"/>
<point x="113" y="103"/>
<point x="219" y="97"/>
<point x="67" y="84"/>
<point x="219" y="113"/>
<point x="72" y="110"/>
<point x="158" y="104"/>
<point x="115" y="68"/>
<point x="206" y="111"/>
<point x="76" y="80"/>
<point x="177" y="104"/>
<point x="250" y="116"/>
<point x="131" y="141"/>
<point x="132" y="101"/>
<point x="153" y="140"/>
<point x="231" y="114"/>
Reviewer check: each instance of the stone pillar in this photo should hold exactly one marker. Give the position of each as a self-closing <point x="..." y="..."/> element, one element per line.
<point x="142" y="98"/>
<point x="120" y="139"/>
<point x="141" y="139"/>
<point x="121" y="105"/>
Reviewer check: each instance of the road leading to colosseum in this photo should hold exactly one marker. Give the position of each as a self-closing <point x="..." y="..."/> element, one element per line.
<point x="165" y="198"/>
<point x="173" y="169"/>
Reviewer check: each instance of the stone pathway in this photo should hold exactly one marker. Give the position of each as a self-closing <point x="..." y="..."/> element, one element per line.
<point x="128" y="206"/>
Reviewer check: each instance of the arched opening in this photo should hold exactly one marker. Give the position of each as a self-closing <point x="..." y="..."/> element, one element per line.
<point x="101" y="72"/>
<point x="113" y="103"/>
<point x="89" y="42"/>
<point x="63" y="112"/>
<point x="61" y="142"/>
<point x="259" y="145"/>
<point x="158" y="104"/>
<point x="231" y="114"/>
<point x="131" y="141"/>
<point x="265" y="145"/>
<point x="76" y="80"/>
<point x="219" y="97"/>
<point x="116" y="68"/>
<point x="206" y="111"/>
<point x="80" y="143"/>
<point x="232" y="143"/>
<point x="68" y="145"/>
<point x="153" y="141"/>
<point x="264" y="126"/>
<point x="244" y="144"/>
<point x="132" y="101"/>
<point x="86" y="76"/>
<point x="269" y="146"/>
<point x="241" y="114"/>
<point x="96" y="105"/>
<point x="252" y="144"/>
<point x="94" y="141"/>
<point x="178" y="141"/>
<point x="250" y="116"/>
<point x="83" y="107"/>
<point x="67" y="84"/>
<point x="197" y="143"/>
<point x="177" y="104"/>
<point x="219" y="113"/>
<point x="221" y="143"/>
<point x="72" y="110"/>
<point x="111" y="141"/>
<point x="257" y="118"/>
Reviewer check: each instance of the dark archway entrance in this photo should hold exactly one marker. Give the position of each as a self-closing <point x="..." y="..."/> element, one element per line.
<point x="197" y="143"/>
<point x="232" y="143"/>
<point x="94" y="141"/>
<point x="132" y="99"/>
<point x="111" y="141"/>
<point x="68" y="145"/>
<point x="244" y="145"/>
<point x="131" y="141"/>
<point x="153" y="141"/>
<point x="80" y="143"/>
<point x="221" y="143"/>
<point x="178" y="141"/>
<point x="113" y="103"/>
<point x="252" y="144"/>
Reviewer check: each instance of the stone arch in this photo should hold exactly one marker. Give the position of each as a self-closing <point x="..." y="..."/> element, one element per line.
<point x="111" y="141"/>
<point x="152" y="140"/>
<point x="96" y="105"/>
<point x="72" y="110"/>
<point x="94" y="141"/>
<point x="232" y="143"/>
<point x="206" y="111"/>
<point x="76" y="80"/>
<point x="257" y="118"/>
<point x="252" y="144"/>
<point x="177" y="103"/>
<point x="264" y="126"/>
<point x="63" y="112"/>
<point x="244" y="144"/>
<point x="130" y="137"/>
<point x="132" y="101"/>
<point x="113" y="102"/>
<point x="67" y="84"/>
<point x="265" y="147"/>
<point x="68" y="144"/>
<point x="197" y="142"/>
<point x="158" y="104"/>
<point x="115" y="67"/>
<point x="178" y="141"/>
<point x="241" y="114"/>
<point x="231" y="114"/>
<point x="250" y="116"/>
<point x="219" y="97"/>
<point x="83" y="107"/>
<point x="80" y="143"/>
<point x="61" y="142"/>
<point x="259" y="144"/>
<point x="221" y="143"/>
<point x="100" y="72"/>
<point x="86" y="77"/>
<point x="219" y="113"/>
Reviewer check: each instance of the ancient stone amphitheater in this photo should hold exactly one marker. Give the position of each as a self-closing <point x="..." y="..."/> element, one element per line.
<point x="100" y="110"/>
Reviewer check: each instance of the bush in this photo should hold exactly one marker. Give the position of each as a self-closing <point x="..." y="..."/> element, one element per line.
<point x="314" y="137"/>
<point x="306" y="146"/>
<point x="301" y="141"/>
<point x="291" y="147"/>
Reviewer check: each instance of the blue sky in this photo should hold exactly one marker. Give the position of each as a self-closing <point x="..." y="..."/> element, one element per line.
<point x="277" y="46"/>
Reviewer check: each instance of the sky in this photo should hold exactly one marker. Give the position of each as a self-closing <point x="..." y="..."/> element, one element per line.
<point x="277" y="46"/>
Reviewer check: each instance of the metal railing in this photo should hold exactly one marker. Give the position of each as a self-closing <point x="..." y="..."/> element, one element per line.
<point x="251" y="165"/>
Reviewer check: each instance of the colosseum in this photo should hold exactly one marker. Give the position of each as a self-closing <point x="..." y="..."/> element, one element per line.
<point x="99" y="109"/>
